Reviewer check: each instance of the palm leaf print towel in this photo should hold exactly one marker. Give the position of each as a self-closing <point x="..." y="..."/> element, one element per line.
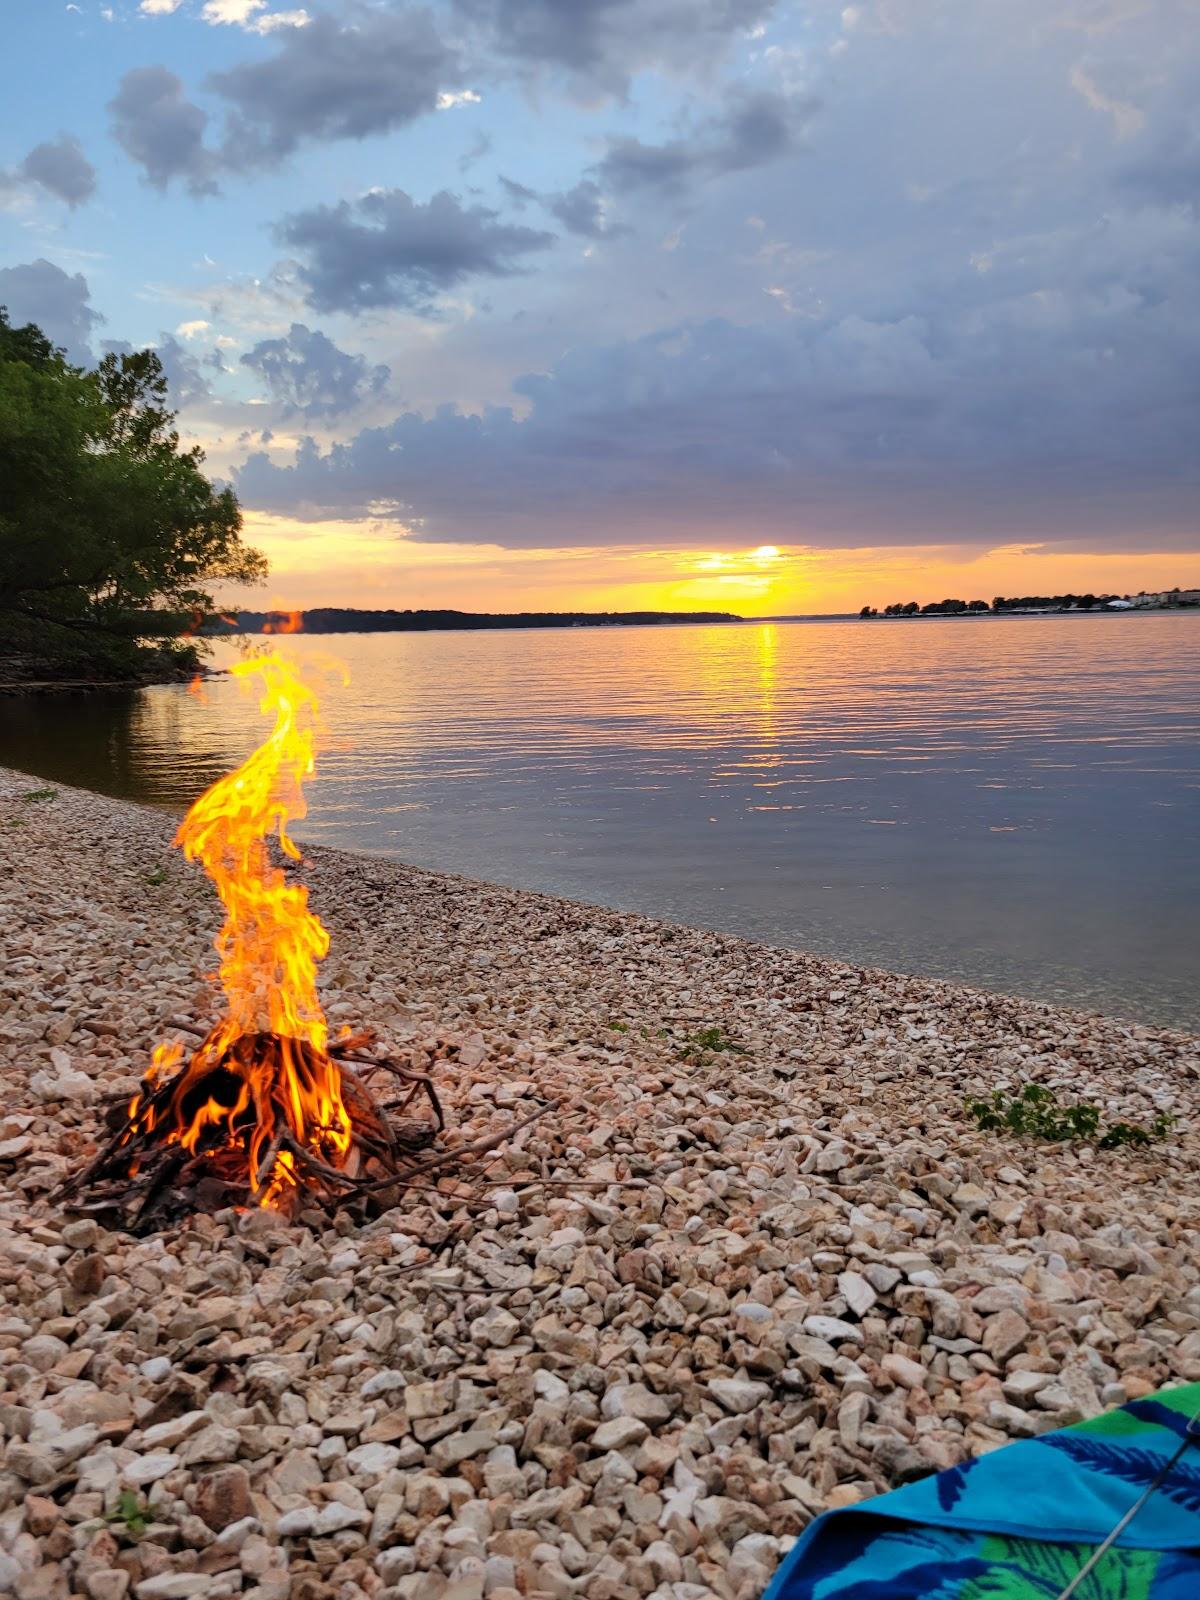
<point x="1021" y="1522"/>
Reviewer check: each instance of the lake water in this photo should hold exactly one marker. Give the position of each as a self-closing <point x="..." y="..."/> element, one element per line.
<point x="1011" y="802"/>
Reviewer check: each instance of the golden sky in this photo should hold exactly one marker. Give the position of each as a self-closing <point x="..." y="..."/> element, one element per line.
<point x="374" y="565"/>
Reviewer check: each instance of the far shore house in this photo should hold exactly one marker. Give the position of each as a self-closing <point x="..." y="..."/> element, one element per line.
<point x="1169" y="597"/>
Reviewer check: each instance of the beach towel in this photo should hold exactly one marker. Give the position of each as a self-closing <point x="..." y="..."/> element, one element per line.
<point x="1021" y="1522"/>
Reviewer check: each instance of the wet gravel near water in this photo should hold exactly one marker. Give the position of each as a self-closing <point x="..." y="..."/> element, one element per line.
<point x="717" y="1290"/>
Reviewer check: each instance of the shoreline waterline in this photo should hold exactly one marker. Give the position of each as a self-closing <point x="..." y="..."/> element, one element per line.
<point x="17" y="782"/>
<point x="809" y="789"/>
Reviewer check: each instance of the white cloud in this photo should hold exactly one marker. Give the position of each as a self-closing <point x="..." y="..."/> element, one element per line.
<point x="465" y="97"/>
<point x="189" y="330"/>
<point x="280" y="19"/>
<point x="159" y="8"/>
<point x="246" y="14"/>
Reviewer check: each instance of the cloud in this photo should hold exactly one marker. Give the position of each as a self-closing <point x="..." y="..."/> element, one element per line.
<point x="1165" y="168"/>
<point x="162" y="131"/>
<point x="991" y="410"/>
<point x="185" y="371"/>
<point x="753" y="128"/>
<point x="1127" y="119"/>
<point x="251" y="15"/>
<point x="307" y="372"/>
<point x="582" y="210"/>
<point x="600" y="45"/>
<point x="386" y="249"/>
<point x="335" y="79"/>
<point x="60" y="166"/>
<point x="362" y="73"/>
<point x="519" y="194"/>
<point x="57" y="301"/>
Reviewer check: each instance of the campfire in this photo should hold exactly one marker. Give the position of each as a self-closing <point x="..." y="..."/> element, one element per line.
<point x="267" y="1110"/>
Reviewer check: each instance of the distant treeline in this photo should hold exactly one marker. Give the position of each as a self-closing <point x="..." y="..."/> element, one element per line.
<point x="338" y="619"/>
<point x="1033" y="602"/>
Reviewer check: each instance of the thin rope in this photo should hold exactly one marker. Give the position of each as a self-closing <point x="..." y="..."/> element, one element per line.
<point x="1193" y="1432"/>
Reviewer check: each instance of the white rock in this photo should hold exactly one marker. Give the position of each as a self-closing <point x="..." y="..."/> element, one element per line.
<point x="619" y="1433"/>
<point x="738" y="1395"/>
<point x="833" y="1329"/>
<point x="856" y="1291"/>
<point x="149" y="1468"/>
<point x="386" y="1382"/>
<point x="173" y="1586"/>
<point x="372" y="1460"/>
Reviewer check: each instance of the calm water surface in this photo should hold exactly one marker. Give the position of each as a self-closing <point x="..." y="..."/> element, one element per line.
<point x="1015" y="803"/>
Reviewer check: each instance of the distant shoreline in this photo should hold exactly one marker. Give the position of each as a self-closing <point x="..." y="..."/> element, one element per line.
<point x="253" y="623"/>
<point x="1038" y="605"/>
<point x="350" y="619"/>
<point x="972" y="616"/>
<point x="996" y="616"/>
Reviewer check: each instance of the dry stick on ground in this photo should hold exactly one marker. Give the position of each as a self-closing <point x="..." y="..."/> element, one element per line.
<point x="452" y="1157"/>
<point x="409" y="1075"/>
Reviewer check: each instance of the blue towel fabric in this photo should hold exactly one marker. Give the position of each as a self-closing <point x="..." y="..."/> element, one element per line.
<point x="1020" y="1522"/>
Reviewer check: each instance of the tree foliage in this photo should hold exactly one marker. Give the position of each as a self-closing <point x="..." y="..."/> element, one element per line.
<point x="110" y="533"/>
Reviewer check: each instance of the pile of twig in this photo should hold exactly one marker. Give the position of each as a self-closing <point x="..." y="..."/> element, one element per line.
<point x="140" y="1178"/>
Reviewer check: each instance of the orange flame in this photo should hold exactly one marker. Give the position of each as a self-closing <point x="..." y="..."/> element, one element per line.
<point x="269" y="948"/>
<point x="271" y="941"/>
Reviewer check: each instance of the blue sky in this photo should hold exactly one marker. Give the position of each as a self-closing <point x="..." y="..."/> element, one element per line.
<point x="513" y="291"/>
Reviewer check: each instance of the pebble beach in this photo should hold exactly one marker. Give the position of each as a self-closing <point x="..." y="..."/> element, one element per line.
<point x="756" y="1263"/>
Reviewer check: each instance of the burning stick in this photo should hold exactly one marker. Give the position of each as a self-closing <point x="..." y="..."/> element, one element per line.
<point x="264" y="1112"/>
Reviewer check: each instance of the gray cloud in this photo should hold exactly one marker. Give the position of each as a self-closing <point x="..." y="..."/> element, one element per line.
<point x="753" y="128"/>
<point x="990" y="413"/>
<point x="389" y="250"/>
<point x="58" y="302"/>
<point x="162" y="131"/>
<point x="307" y="372"/>
<point x="1165" y="170"/>
<point x="60" y="166"/>
<point x="335" y="79"/>
<point x="186" y="371"/>
<point x="363" y="72"/>
<point x="519" y="194"/>
<point x="582" y="209"/>
<point x="601" y="44"/>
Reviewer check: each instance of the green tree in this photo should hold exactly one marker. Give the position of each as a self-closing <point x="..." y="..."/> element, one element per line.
<point x="110" y="533"/>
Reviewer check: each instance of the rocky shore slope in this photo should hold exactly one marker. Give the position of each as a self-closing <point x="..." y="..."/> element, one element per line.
<point x="757" y="1263"/>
